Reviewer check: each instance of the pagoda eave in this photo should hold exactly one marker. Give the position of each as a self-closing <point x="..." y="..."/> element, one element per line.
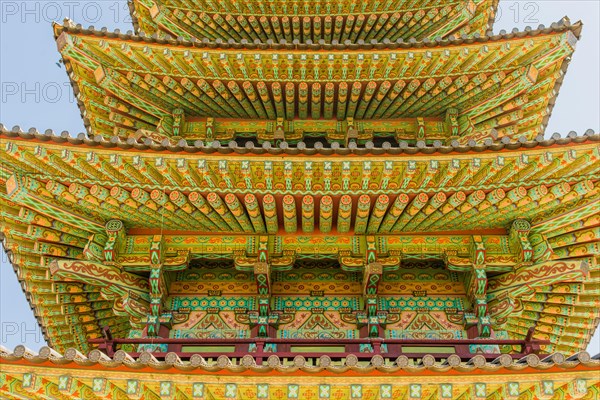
<point x="97" y="58"/>
<point x="419" y="149"/>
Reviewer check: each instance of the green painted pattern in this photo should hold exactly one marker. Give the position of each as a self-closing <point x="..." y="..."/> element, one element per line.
<point x="431" y="303"/>
<point x="204" y="303"/>
<point x="307" y="303"/>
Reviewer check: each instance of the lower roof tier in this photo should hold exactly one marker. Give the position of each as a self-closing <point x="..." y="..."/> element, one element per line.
<point x="533" y="209"/>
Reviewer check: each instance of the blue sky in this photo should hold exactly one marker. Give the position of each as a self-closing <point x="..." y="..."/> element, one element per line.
<point x="35" y="92"/>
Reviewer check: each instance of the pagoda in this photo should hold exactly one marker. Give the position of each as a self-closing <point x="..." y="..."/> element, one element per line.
<point x="312" y="199"/>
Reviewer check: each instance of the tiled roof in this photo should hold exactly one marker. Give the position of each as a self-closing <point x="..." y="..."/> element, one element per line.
<point x="404" y="148"/>
<point x="556" y="27"/>
<point x="231" y="85"/>
<point x="312" y="21"/>
<point x="96" y="358"/>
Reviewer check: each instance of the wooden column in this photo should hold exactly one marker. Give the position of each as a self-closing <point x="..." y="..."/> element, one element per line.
<point x="476" y="285"/>
<point x="372" y="276"/>
<point x="262" y="272"/>
<point x="115" y="231"/>
<point x="158" y="287"/>
<point x="262" y="276"/>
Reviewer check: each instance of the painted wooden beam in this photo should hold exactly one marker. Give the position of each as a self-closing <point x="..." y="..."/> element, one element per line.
<point x="107" y="276"/>
<point x="219" y="206"/>
<point x="290" y="222"/>
<point x="237" y="209"/>
<point x="361" y="219"/>
<point x="379" y="210"/>
<point x="325" y="214"/>
<point x="308" y="214"/>
<point x="394" y="213"/>
<point x="417" y="203"/>
<point x="344" y="216"/>
<point x="270" y="210"/>
<point x="253" y="209"/>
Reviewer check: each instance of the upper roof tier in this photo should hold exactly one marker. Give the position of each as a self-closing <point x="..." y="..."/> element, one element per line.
<point x="312" y="21"/>
<point x="464" y="89"/>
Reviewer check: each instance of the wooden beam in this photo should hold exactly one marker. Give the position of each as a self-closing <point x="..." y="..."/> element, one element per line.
<point x="108" y="277"/>
<point x="289" y="214"/>
<point x="270" y="210"/>
<point x="253" y="209"/>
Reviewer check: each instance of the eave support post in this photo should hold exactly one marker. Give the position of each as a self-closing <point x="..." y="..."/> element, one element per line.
<point x="373" y="271"/>
<point x="262" y="272"/>
<point x="371" y="256"/>
<point x="115" y="231"/>
<point x="451" y="122"/>
<point x="262" y="276"/>
<point x="371" y="278"/>
<point x="476" y="285"/>
<point x="158" y="288"/>
<point x="519" y="240"/>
